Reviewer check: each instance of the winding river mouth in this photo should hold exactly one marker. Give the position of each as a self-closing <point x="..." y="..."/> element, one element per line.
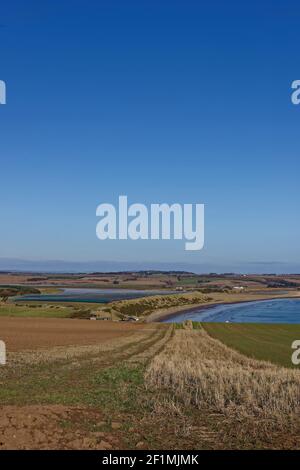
<point x="91" y="295"/>
<point x="259" y="311"/>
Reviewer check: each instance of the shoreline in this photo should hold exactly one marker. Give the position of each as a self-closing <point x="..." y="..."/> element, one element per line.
<point x="161" y="317"/>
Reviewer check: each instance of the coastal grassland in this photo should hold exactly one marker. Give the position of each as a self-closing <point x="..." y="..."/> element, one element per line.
<point x="21" y="310"/>
<point x="47" y="310"/>
<point x="269" y="342"/>
<point x="200" y="371"/>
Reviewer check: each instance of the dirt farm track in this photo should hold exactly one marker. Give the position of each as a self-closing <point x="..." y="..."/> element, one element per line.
<point x="22" y="334"/>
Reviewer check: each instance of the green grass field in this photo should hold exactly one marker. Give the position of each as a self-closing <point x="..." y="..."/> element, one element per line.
<point x="47" y="310"/>
<point x="261" y="341"/>
<point x="11" y="310"/>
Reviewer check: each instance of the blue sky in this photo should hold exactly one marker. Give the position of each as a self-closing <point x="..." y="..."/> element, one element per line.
<point x="163" y="101"/>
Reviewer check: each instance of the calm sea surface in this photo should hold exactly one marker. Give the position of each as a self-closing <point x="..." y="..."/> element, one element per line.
<point x="266" y="311"/>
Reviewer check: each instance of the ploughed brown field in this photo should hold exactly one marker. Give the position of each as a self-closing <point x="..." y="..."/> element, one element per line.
<point x="41" y="333"/>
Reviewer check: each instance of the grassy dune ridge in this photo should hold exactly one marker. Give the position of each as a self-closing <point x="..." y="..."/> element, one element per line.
<point x="145" y="306"/>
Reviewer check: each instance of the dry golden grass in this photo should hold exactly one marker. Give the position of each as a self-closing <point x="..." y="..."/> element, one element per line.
<point x="144" y="306"/>
<point x="203" y="372"/>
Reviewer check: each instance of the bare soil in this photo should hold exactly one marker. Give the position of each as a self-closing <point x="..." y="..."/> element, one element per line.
<point x="22" y="334"/>
<point x="47" y="427"/>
